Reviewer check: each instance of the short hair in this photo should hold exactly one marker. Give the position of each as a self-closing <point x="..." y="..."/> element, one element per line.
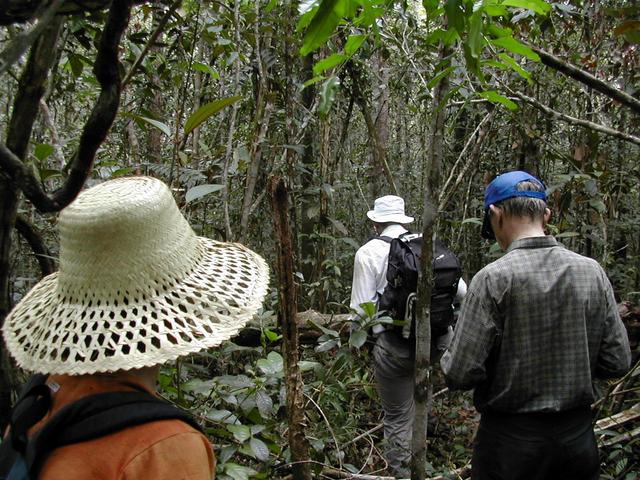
<point x="534" y="208"/>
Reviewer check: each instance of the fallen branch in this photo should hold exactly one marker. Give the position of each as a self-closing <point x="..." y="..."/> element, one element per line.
<point x="627" y="436"/>
<point x="459" y="473"/>
<point x="618" y="419"/>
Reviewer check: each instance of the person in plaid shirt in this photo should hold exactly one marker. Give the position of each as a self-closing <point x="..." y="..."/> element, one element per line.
<point x="536" y="327"/>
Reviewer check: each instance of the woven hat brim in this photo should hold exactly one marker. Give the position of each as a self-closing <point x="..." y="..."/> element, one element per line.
<point x="208" y="306"/>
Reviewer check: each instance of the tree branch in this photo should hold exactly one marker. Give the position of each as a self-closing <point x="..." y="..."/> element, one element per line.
<point x="19" y="11"/>
<point x="586" y="78"/>
<point x="577" y="121"/>
<point x="22" y="42"/>
<point x="152" y="40"/>
<point x="95" y="129"/>
<point x="40" y="250"/>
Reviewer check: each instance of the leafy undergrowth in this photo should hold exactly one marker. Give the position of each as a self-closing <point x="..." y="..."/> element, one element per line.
<point x="238" y="393"/>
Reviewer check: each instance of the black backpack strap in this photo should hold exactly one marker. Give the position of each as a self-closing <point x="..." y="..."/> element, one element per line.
<point x="384" y="238"/>
<point x="97" y="416"/>
<point x="32" y="406"/>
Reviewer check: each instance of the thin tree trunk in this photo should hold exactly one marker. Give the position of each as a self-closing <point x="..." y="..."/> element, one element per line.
<point x="287" y="297"/>
<point x="422" y="379"/>
<point x="31" y="88"/>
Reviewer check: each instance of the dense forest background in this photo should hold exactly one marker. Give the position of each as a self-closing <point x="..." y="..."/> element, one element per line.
<point x="344" y="101"/>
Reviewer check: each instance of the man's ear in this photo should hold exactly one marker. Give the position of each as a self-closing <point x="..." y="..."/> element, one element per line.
<point x="495" y="211"/>
<point x="547" y="216"/>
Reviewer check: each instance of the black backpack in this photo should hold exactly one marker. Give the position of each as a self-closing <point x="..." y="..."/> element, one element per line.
<point x="91" y="417"/>
<point x="398" y="298"/>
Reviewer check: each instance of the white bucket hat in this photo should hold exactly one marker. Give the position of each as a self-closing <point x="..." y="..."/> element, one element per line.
<point x="136" y="286"/>
<point x="389" y="208"/>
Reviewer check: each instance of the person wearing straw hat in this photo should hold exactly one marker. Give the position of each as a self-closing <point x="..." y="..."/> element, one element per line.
<point x="537" y="326"/>
<point x="393" y="355"/>
<point x="136" y="288"/>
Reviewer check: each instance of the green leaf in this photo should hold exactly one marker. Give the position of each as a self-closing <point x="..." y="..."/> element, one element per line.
<point x="495" y="10"/>
<point x="260" y="449"/>
<point x="200" y="191"/>
<point x="495" y="97"/>
<point x="201" y="67"/>
<point x="369" y="309"/>
<point x="163" y="127"/>
<point x="358" y="338"/>
<point x="238" y="472"/>
<point x="514" y="65"/>
<point x="76" y="64"/>
<point x="472" y="220"/>
<point x="474" y="40"/>
<point x="430" y="6"/>
<point x="272" y="365"/>
<point x="221" y="416"/>
<point x="264" y="404"/>
<point x="455" y="15"/>
<point x="353" y="43"/>
<point x="241" y="433"/>
<point x="42" y="151"/>
<point x="598" y="205"/>
<point x="313" y="81"/>
<point x="567" y="234"/>
<point x="514" y="46"/>
<point x="122" y="171"/>
<point x="324" y="22"/>
<point x="206" y="111"/>
<point x="328" y="95"/>
<point x="329" y="62"/>
<point x="435" y="80"/>
<point x="538" y="6"/>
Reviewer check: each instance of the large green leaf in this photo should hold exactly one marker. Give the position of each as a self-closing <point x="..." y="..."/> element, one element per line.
<point x="206" y="111"/>
<point x="163" y="127"/>
<point x="495" y="97"/>
<point x="514" y="65"/>
<point x="260" y="449"/>
<point x="200" y="191"/>
<point x="514" y="46"/>
<point x="455" y="15"/>
<point x="241" y="433"/>
<point x="353" y="43"/>
<point x="538" y="6"/>
<point x="322" y="25"/>
<point x="475" y="41"/>
<point x="327" y="95"/>
<point x="238" y="472"/>
<point x="329" y="62"/>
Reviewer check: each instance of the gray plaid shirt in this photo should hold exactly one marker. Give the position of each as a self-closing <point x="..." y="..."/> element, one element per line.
<point x="535" y="327"/>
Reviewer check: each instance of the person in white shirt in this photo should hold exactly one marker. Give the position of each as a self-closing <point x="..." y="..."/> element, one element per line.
<point x="393" y="355"/>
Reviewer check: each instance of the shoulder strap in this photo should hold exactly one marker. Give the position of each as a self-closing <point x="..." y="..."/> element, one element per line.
<point x="384" y="238"/>
<point x="97" y="416"/>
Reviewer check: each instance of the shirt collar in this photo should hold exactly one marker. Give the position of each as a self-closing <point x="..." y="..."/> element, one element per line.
<point x="393" y="231"/>
<point x="533" y="242"/>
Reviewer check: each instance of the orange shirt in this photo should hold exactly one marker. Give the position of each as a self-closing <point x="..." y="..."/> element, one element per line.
<point x="160" y="450"/>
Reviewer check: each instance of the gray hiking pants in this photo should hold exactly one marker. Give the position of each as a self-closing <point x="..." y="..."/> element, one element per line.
<point x="394" y="382"/>
<point x="394" y="362"/>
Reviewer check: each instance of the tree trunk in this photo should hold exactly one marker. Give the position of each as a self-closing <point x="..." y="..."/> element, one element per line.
<point x="287" y="298"/>
<point x="425" y="280"/>
<point x="31" y="88"/>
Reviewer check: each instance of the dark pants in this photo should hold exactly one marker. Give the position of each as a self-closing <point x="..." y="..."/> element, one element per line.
<point x="536" y="446"/>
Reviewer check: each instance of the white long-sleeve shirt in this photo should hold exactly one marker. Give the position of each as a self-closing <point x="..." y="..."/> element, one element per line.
<point x="370" y="272"/>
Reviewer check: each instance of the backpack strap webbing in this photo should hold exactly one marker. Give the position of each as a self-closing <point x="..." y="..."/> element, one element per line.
<point x="96" y="416"/>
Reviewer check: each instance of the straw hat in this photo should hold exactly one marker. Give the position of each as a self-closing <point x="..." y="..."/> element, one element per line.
<point x="136" y="286"/>
<point x="389" y="208"/>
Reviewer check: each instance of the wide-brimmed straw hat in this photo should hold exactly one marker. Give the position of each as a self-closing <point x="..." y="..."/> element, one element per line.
<point x="389" y="208"/>
<point x="136" y="286"/>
